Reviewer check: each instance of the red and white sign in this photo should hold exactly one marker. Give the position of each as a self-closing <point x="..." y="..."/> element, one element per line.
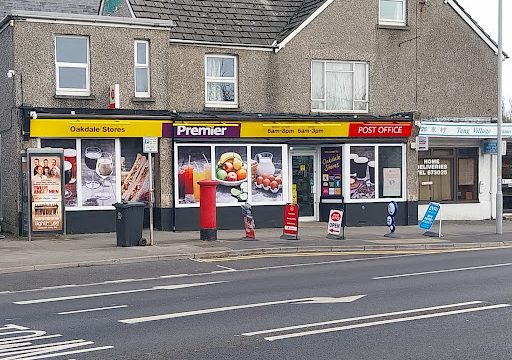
<point x="291" y="220"/>
<point x="335" y="219"/>
<point x="380" y="130"/>
<point x="114" y="98"/>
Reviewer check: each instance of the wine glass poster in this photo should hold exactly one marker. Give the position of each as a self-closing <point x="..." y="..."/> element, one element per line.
<point x="98" y="172"/>
<point x="45" y="172"/>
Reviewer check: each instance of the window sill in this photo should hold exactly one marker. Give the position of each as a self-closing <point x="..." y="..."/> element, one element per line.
<point x="222" y="109"/>
<point x="394" y="27"/>
<point x="143" y="99"/>
<point x="74" y="97"/>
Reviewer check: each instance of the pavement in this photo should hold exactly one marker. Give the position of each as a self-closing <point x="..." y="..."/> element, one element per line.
<point x="19" y="254"/>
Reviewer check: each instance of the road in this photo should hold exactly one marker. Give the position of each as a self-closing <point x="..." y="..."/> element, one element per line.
<point x="455" y="305"/>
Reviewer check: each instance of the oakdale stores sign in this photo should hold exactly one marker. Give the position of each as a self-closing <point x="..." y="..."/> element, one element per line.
<point x="98" y="128"/>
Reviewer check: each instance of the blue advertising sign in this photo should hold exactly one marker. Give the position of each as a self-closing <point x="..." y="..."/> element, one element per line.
<point x="430" y="216"/>
<point x="490" y="147"/>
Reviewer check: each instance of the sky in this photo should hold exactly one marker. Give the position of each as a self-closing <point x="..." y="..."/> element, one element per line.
<point x="485" y="13"/>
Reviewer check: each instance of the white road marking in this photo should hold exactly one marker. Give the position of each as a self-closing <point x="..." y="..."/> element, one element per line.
<point x="383" y="322"/>
<point x="91" y="310"/>
<point x="209" y="311"/>
<point x="209" y="273"/>
<point x="441" y="271"/>
<point x="226" y="268"/>
<point x="366" y="317"/>
<point x="19" y="342"/>
<point x="84" y="296"/>
<point x="331" y="300"/>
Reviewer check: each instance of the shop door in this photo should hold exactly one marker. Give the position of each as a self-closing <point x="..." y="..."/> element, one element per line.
<point x="304" y="184"/>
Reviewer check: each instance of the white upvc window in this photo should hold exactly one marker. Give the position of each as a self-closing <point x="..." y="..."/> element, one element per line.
<point x="221" y="83"/>
<point x="339" y="86"/>
<point x="141" y="71"/>
<point x="392" y="12"/>
<point x="72" y="69"/>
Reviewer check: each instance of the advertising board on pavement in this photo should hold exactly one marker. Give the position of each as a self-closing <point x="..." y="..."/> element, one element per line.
<point x="335" y="224"/>
<point x="291" y="222"/>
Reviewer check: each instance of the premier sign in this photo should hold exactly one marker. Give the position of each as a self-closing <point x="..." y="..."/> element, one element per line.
<point x="207" y="131"/>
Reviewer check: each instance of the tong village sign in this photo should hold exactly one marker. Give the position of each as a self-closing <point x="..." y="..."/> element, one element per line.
<point x="445" y="129"/>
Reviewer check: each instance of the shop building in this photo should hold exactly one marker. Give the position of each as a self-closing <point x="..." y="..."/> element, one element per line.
<point x="319" y="163"/>
<point x="347" y="80"/>
<point x="459" y="168"/>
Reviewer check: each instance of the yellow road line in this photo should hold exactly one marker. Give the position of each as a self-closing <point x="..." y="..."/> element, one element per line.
<point x="344" y="253"/>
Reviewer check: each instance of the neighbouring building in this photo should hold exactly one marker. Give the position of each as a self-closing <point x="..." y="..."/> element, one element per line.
<point x="313" y="102"/>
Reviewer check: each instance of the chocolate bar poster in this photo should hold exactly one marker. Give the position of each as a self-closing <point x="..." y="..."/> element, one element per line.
<point x="135" y="181"/>
<point x="331" y="171"/>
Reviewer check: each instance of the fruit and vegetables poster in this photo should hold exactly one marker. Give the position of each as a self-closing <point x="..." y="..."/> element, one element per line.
<point x="231" y="171"/>
<point x="331" y="171"/>
<point x="266" y="174"/>
<point x="194" y="164"/>
<point x="362" y="172"/>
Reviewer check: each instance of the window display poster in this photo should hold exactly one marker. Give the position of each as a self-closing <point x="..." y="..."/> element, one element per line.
<point x="135" y="181"/>
<point x="362" y="172"/>
<point x="331" y="171"/>
<point x="266" y="174"/>
<point x="231" y="172"/>
<point x="392" y="182"/>
<point x="69" y="167"/>
<point x="47" y="213"/>
<point x="194" y="164"/>
<point x="98" y="175"/>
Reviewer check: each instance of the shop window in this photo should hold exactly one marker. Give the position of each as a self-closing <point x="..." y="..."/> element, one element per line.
<point x="246" y="173"/>
<point x="72" y="65"/>
<point x="390" y="171"/>
<point x="221" y="83"/>
<point x="101" y="172"/>
<point x="362" y="172"/>
<point x="392" y="12"/>
<point x="142" y="88"/>
<point x="339" y="86"/>
<point x="376" y="172"/>
<point x="448" y="175"/>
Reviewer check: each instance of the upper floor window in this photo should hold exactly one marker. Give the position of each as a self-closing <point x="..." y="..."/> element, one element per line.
<point x="141" y="57"/>
<point x="221" y="84"/>
<point x="339" y="86"/>
<point x="72" y="65"/>
<point x="392" y="12"/>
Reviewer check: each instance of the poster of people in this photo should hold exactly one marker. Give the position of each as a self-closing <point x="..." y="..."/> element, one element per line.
<point x="331" y="171"/>
<point x="98" y="175"/>
<point x="266" y="174"/>
<point x="47" y="213"/>
<point x="69" y="167"/>
<point x="362" y="172"/>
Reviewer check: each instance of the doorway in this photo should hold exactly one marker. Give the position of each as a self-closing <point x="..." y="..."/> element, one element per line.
<point x="304" y="183"/>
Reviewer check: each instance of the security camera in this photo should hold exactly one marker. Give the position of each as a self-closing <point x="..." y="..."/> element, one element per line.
<point x="33" y="115"/>
<point x="11" y="73"/>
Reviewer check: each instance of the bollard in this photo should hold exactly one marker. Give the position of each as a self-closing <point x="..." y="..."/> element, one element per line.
<point x="208" y="209"/>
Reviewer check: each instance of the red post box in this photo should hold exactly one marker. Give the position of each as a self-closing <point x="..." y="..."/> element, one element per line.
<point x="208" y="209"/>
